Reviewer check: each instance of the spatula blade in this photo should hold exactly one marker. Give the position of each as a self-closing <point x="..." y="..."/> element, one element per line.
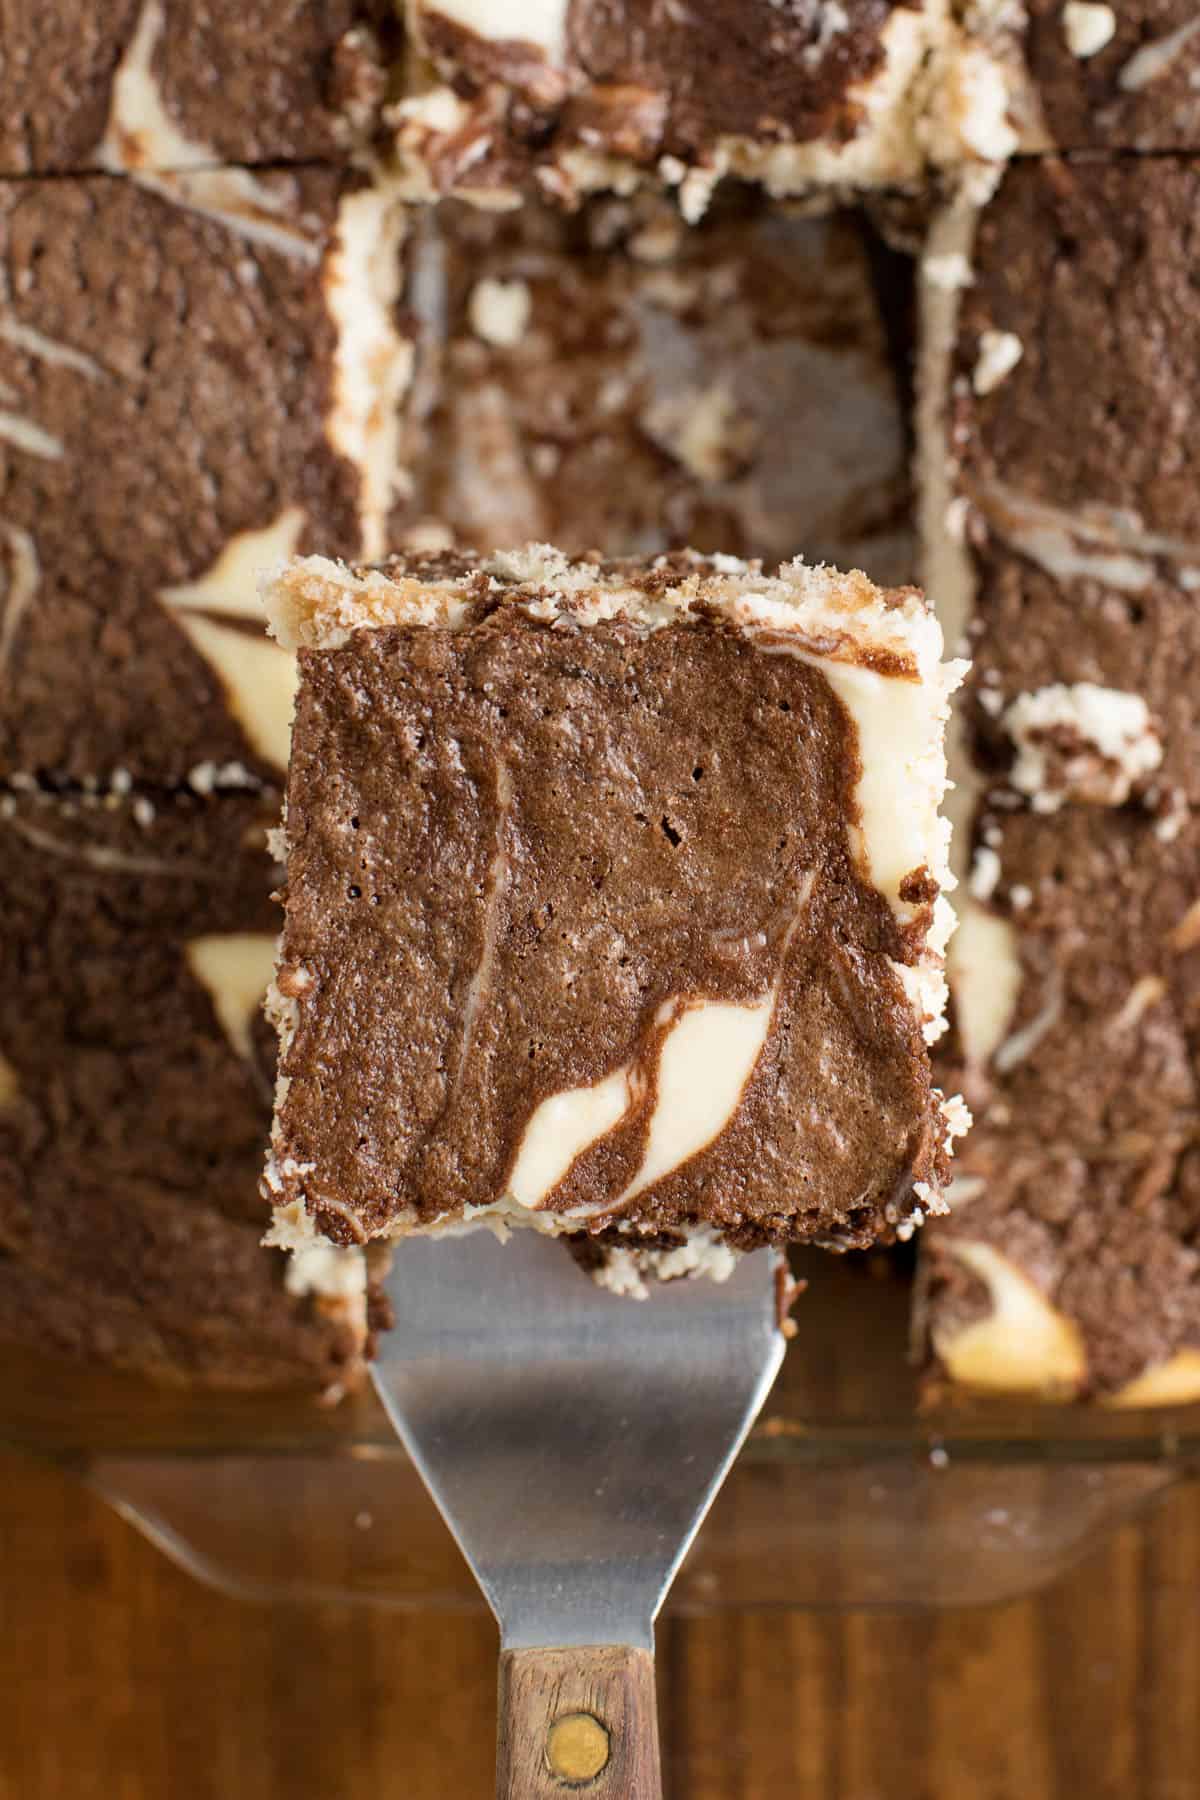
<point x="572" y="1439"/>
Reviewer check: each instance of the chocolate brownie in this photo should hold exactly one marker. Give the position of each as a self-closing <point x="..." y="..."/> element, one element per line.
<point x="1086" y="74"/>
<point x="612" y="902"/>
<point x="1086" y="684"/>
<point x="1078" y="343"/>
<point x="194" y="383"/>
<point x="185" y="1297"/>
<point x="1071" y="1260"/>
<point x="135" y="1081"/>
<point x="135" y="960"/>
<point x="615" y="379"/>
<point x="595" y="95"/>
<point x="163" y="84"/>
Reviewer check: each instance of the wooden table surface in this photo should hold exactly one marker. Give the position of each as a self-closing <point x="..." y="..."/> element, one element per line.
<point x="121" y="1677"/>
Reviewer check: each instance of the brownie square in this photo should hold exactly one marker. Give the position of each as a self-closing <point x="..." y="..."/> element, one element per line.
<point x="1122" y="629"/>
<point x="136" y="1071"/>
<point x="608" y="908"/>
<point x="1070" y="1262"/>
<point x="1078" y="343"/>
<point x="185" y="403"/>
<point x="1060" y="520"/>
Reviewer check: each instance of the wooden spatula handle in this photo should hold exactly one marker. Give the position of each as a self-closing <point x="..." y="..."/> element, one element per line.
<point x="578" y="1721"/>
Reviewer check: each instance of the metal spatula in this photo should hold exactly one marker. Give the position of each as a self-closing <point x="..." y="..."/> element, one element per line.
<point x="573" y="1441"/>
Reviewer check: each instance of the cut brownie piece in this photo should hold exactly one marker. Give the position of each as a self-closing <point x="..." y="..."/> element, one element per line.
<point x="179" y="1295"/>
<point x="192" y="388"/>
<point x="613" y="378"/>
<point x="160" y="84"/>
<point x="1070" y="1262"/>
<point x="1088" y="75"/>
<point x="135" y="1080"/>
<point x="135" y="959"/>
<point x="1077" y="346"/>
<point x="595" y="96"/>
<point x="613" y="903"/>
<point x="1068" y="547"/>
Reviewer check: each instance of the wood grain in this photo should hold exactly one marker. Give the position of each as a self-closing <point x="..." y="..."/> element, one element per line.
<point x="556" y="1707"/>
<point x="122" y="1679"/>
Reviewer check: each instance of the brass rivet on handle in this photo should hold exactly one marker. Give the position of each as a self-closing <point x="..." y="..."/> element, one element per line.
<point x="576" y="1747"/>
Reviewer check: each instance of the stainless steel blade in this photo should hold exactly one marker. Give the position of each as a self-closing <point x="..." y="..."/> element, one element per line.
<point x="572" y="1439"/>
